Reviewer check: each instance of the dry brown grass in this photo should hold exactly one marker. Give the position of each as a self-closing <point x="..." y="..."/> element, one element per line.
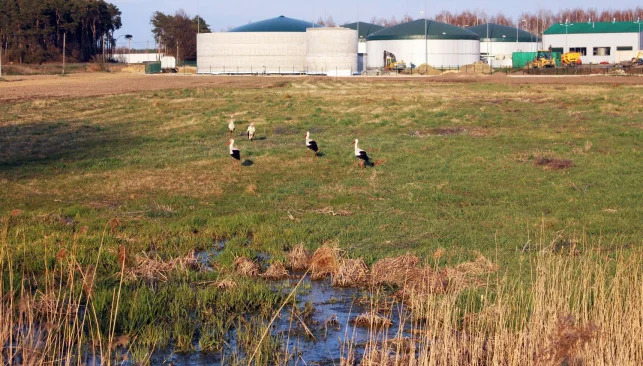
<point x="246" y="267"/>
<point x="481" y="265"/>
<point x="371" y="320"/>
<point x="325" y="262"/>
<point x="394" y="271"/>
<point x="350" y="273"/>
<point x="298" y="258"/>
<point x="276" y="271"/>
<point x="226" y="284"/>
<point x="154" y="269"/>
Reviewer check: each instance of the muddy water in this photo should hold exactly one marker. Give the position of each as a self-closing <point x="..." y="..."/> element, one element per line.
<point x="329" y="333"/>
<point x="317" y="330"/>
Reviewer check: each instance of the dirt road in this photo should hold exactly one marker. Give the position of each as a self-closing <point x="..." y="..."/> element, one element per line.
<point x="17" y="88"/>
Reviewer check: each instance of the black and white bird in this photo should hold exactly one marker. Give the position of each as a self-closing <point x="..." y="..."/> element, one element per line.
<point x="361" y="155"/>
<point x="251" y="132"/>
<point x="311" y="144"/>
<point x="231" y="125"/>
<point x="234" y="151"/>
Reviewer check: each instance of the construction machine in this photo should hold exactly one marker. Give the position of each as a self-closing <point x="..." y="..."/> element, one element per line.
<point x="571" y="59"/>
<point x="391" y="63"/>
<point x="544" y="59"/>
<point x="635" y="61"/>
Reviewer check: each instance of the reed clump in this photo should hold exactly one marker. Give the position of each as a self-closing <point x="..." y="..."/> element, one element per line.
<point x="276" y="271"/>
<point x="298" y="258"/>
<point x="324" y="262"/>
<point x="394" y="271"/>
<point x="246" y="267"/>
<point x="350" y="273"/>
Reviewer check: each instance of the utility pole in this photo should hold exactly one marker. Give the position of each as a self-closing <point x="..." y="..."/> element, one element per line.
<point x="64" y="50"/>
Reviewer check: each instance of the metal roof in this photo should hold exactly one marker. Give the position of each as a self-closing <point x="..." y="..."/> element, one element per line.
<point x="595" y="27"/>
<point x="416" y="30"/>
<point x="278" y="24"/>
<point x="365" y="29"/>
<point x="490" y="32"/>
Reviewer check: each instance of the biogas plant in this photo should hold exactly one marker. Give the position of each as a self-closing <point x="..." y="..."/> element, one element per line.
<point x="289" y="46"/>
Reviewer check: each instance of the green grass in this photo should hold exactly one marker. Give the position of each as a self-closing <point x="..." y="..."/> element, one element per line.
<point x="158" y="161"/>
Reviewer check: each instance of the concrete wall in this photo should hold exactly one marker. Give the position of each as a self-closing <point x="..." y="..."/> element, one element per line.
<point x="589" y="41"/>
<point x="136" y="58"/>
<point x="441" y="53"/>
<point x="331" y="51"/>
<point x="249" y="52"/>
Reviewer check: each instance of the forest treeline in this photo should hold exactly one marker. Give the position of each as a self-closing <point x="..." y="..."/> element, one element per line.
<point x="534" y="22"/>
<point x="32" y="31"/>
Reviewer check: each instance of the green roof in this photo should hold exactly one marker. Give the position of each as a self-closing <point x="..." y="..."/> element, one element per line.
<point x="490" y="32"/>
<point x="595" y="27"/>
<point x="278" y="24"/>
<point x="365" y="29"/>
<point x="416" y="30"/>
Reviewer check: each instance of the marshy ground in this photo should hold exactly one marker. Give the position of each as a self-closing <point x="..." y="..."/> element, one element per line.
<point x="109" y="197"/>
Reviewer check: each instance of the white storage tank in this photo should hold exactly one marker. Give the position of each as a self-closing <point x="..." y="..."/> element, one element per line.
<point x="422" y="41"/>
<point x="331" y="51"/>
<point x="499" y="42"/>
<point x="271" y="46"/>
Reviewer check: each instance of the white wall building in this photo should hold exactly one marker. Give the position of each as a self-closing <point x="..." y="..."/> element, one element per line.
<point x="424" y="41"/>
<point x="596" y="41"/>
<point x="136" y="58"/>
<point x="278" y="46"/>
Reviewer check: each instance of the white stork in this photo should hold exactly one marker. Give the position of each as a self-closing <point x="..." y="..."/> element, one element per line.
<point x="231" y="125"/>
<point x="361" y="155"/>
<point x="251" y="132"/>
<point x="311" y="144"/>
<point x="234" y="151"/>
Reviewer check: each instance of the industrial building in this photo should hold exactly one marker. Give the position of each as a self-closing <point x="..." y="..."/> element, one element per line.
<point x="597" y="42"/>
<point x="279" y="45"/>
<point x="363" y="31"/>
<point x="424" y="41"/>
<point x="499" y="42"/>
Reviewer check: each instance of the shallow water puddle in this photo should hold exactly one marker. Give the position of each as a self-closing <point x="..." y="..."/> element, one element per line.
<point x="318" y="330"/>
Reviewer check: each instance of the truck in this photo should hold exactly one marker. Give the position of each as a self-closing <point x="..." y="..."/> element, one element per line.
<point x="571" y="59"/>
<point x="168" y="64"/>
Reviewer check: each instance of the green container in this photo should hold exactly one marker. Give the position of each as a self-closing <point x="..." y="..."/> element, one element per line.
<point x="153" y="67"/>
<point x="520" y="59"/>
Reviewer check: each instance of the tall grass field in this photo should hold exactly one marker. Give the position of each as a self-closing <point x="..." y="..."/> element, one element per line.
<point x="504" y="219"/>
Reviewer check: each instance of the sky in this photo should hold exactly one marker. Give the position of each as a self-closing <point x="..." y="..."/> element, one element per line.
<point x="225" y="14"/>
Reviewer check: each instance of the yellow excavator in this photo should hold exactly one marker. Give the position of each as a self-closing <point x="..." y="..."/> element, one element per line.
<point x="544" y="59"/>
<point x="635" y="61"/>
<point x="391" y="64"/>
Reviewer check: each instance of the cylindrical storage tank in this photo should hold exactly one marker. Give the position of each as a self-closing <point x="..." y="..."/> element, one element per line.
<point x="422" y="41"/>
<point x="331" y="51"/>
<point x="499" y="42"/>
<point x="270" y="46"/>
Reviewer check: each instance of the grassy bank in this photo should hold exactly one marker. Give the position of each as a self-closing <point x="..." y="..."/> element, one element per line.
<point x="463" y="166"/>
